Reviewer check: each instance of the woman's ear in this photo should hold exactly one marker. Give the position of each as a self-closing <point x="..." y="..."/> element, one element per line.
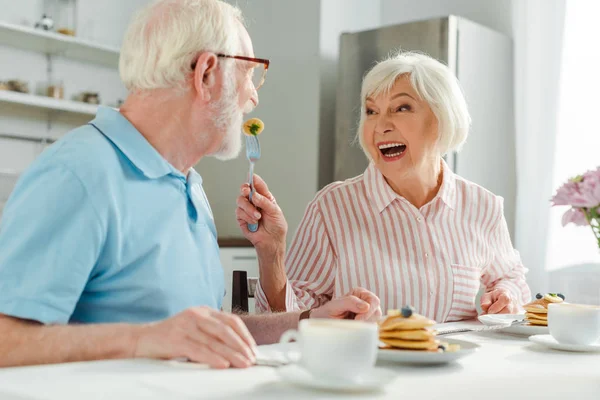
<point x="205" y="78"/>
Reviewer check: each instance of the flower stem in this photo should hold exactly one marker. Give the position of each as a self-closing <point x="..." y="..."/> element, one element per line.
<point x="593" y="221"/>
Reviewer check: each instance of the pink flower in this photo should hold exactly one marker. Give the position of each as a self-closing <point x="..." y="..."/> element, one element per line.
<point x="582" y="191"/>
<point x="574" y="216"/>
<point x="590" y="187"/>
<point x="565" y="194"/>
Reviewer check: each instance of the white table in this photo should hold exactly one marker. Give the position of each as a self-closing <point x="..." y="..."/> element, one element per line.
<point x="506" y="367"/>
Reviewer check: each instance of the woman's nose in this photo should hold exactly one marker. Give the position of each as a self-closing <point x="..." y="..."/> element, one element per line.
<point x="383" y="125"/>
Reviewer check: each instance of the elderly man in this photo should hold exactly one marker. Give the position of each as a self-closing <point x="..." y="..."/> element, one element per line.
<point x="107" y="246"/>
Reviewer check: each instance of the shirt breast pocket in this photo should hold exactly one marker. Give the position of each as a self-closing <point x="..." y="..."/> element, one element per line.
<point x="466" y="283"/>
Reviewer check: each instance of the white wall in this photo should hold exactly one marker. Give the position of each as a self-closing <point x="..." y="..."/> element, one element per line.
<point x="337" y="17"/>
<point x="287" y="33"/>
<point x="538" y="26"/>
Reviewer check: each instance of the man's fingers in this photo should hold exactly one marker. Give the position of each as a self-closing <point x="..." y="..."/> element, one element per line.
<point x="236" y="323"/>
<point x="200" y="353"/>
<point x="212" y="329"/>
<point x="205" y="345"/>
<point x="235" y="358"/>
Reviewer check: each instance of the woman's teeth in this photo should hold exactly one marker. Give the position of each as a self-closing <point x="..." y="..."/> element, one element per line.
<point x="392" y="149"/>
<point x="388" y="145"/>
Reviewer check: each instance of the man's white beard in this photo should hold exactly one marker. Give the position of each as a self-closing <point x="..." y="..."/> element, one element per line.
<point x="229" y="120"/>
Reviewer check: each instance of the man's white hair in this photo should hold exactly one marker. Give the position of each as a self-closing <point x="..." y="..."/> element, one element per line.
<point x="165" y="37"/>
<point x="434" y="83"/>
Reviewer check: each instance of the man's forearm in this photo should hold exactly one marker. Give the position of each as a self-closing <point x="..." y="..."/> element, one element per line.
<point x="268" y="328"/>
<point x="273" y="279"/>
<point x="29" y="343"/>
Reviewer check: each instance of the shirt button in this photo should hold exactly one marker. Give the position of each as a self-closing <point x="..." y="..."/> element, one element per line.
<point x="419" y="219"/>
<point x="431" y="293"/>
<point x="426" y="255"/>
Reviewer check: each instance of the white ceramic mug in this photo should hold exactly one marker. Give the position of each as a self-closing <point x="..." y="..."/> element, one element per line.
<point x="574" y="323"/>
<point x="335" y="349"/>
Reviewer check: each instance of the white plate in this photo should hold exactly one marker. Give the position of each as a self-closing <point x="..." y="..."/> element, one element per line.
<point x="505" y="319"/>
<point x="375" y="380"/>
<point x="549" y="341"/>
<point x="426" y="357"/>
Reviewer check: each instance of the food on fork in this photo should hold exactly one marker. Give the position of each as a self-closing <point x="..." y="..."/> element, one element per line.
<point x="406" y="330"/>
<point x="537" y="310"/>
<point x="253" y="127"/>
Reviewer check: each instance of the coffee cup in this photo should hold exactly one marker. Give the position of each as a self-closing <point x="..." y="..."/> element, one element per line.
<point x="335" y="349"/>
<point x="574" y="323"/>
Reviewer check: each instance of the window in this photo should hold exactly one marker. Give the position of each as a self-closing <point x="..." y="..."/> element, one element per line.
<point x="578" y="133"/>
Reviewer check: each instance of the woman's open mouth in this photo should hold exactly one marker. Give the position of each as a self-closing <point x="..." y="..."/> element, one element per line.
<point x="392" y="151"/>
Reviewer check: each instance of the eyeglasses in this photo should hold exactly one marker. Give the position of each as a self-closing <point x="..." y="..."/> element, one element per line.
<point x="259" y="70"/>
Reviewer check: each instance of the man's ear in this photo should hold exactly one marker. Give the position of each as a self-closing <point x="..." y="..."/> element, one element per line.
<point x="205" y="77"/>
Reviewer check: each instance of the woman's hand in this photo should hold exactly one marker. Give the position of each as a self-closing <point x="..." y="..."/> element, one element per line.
<point x="498" y="301"/>
<point x="359" y="304"/>
<point x="272" y="226"/>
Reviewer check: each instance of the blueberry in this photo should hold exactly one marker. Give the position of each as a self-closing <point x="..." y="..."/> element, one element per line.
<point x="538" y="296"/>
<point x="407" y="311"/>
<point x="442" y="347"/>
<point x="562" y="296"/>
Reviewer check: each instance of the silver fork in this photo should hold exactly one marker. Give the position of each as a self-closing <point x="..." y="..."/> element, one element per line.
<point x="253" y="155"/>
<point x="270" y="363"/>
<point x="482" y="328"/>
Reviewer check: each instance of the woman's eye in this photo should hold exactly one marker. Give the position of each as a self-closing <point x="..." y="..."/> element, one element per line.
<point x="370" y="112"/>
<point x="403" y="107"/>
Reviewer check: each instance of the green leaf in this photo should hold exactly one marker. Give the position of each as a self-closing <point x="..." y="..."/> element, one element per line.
<point x="254" y="129"/>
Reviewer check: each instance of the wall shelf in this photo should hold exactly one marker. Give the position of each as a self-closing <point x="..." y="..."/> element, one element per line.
<point x="27" y="38"/>
<point x="47" y="103"/>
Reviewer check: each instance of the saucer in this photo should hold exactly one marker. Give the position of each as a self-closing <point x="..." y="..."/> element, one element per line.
<point x="549" y="341"/>
<point x="428" y="357"/>
<point x="506" y="319"/>
<point x="373" y="381"/>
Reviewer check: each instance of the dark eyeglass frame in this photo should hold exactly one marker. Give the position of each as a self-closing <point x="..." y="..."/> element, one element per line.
<point x="262" y="61"/>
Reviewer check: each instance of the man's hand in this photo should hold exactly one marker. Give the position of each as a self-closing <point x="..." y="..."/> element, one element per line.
<point x="359" y="304"/>
<point x="199" y="334"/>
<point x="498" y="301"/>
<point x="272" y="226"/>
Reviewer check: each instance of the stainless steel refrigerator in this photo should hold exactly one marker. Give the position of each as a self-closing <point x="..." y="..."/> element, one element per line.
<point x="483" y="61"/>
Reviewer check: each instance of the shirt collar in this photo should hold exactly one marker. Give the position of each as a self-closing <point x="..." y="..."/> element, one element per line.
<point x="382" y="195"/>
<point x="378" y="190"/>
<point x="112" y="124"/>
<point x="447" y="191"/>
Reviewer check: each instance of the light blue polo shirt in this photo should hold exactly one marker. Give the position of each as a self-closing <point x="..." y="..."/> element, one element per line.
<point x="101" y="228"/>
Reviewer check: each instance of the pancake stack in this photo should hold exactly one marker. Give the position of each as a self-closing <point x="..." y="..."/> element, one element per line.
<point x="406" y="330"/>
<point x="537" y="311"/>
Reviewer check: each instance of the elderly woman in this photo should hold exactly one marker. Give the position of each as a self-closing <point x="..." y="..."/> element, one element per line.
<point x="408" y="229"/>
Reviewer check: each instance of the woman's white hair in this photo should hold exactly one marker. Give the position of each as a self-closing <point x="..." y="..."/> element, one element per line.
<point x="434" y="83"/>
<point x="164" y="38"/>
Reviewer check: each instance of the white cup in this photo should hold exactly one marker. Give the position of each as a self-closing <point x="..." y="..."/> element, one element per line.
<point x="336" y="349"/>
<point x="574" y="323"/>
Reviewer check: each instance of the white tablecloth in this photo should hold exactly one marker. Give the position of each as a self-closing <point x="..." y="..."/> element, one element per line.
<point x="506" y="367"/>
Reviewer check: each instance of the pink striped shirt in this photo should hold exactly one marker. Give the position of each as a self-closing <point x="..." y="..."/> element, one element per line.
<point x="360" y="233"/>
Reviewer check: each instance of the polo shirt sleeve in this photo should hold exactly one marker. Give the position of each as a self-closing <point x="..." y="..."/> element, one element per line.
<point x="51" y="236"/>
